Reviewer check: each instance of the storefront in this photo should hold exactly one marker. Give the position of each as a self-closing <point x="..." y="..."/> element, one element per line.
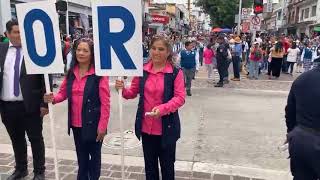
<point x="158" y="24"/>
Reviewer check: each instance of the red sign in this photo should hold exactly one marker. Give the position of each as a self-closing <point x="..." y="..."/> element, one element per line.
<point x="245" y="27"/>
<point x="160" y="19"/>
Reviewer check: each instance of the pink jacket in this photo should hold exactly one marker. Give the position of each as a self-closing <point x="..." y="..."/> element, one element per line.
<point x="77" y="98"/>
<point x="208" y="54"/>
<point x="153" y="96"/>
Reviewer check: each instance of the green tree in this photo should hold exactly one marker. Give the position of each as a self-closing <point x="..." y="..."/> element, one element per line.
<point x="222" y="12"/>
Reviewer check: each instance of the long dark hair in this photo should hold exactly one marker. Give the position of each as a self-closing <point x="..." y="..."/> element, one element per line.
<point x="74" y="61"/>
<point x="278" y="47"/>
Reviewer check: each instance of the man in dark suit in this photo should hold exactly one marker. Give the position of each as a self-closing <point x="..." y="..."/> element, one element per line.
<point x="303" y="126"/>
<point x="21" y="105"/>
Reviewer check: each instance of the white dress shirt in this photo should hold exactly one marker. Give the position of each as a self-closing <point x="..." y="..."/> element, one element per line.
<point x="8" y="76"/>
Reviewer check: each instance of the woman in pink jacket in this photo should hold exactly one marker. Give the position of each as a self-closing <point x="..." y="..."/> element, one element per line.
<point x="88" y="108"/>
<point x="208" y="56"/>
<point x="161" y="93"/>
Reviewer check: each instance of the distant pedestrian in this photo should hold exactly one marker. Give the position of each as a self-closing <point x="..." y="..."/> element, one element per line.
<point x="299" y="58"/>
<point x="208" y="56"/>
<point x="200" y="51"/>
<point x="293" y="54"/>
<point x="189" y="61"/>
<point x="222" y="55"/>
<point x="285" y="44"/>
<point x="256" y="55"/>
<point x="306" y="56"/>
<point x="316" y="58"/>
<point x="277" y="52"/>
<point x="236" y="59"/>
<point x="5" y="38"/>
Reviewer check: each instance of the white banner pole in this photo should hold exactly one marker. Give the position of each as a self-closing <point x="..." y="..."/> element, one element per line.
<point x="121" y="128"/>
<point x="53" y="139"/>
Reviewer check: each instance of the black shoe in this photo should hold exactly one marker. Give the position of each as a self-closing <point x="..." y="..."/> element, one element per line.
<point x="17" y="174"/>
<point x="189" y="93"/>
<point x="218" y="85"/>
<point x="39" y="176"/>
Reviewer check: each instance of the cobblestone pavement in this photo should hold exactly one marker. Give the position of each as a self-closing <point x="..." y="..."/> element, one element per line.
<point x="68" y="170"/>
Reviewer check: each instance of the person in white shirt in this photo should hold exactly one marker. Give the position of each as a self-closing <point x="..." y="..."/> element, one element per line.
<point x="258" y="39"/>
<point x="293" y="53"/>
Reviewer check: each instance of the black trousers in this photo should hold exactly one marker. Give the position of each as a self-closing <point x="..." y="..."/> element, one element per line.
<point x="269" y="68"/>
<point x="153" y="151"/>
<point x="291" y="66"/>
<point x="304" y="154"/>
<point x="276" y="66"/>
<point x="222" y="66"/>
<point x="88" y="155"/>
<point x="201" y="57"/>
<point x="284" y="64"/>
<point x="236" y="66"/>
<point x="18" y="122"/>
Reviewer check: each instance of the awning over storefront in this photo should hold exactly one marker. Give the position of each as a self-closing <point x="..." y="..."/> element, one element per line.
<point x="316" y="29"/>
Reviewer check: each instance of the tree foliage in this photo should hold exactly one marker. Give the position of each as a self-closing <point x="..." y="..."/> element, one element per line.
<point x="222" y="12"/>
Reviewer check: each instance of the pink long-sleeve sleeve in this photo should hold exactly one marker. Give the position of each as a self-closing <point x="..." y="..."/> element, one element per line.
<point x="104" y="94"/>
<point x="62" y="94"/>
<point x="178" y="99"/>
<point x="133" y="90"/>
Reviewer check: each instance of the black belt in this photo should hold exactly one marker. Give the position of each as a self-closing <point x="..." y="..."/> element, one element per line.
<point x="311" y="130"/>
<point x="11" y="102"/>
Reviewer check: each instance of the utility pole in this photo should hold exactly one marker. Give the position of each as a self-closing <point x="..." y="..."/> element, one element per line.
<point x="239" y="20"/>
<point x="67" y="19"/>
<point x="189" y="10"/>
<point x="5" y="14"/>
<point x="282" y="14"/>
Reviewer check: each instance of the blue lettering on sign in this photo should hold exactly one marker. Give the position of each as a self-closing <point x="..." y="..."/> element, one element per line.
<point x="115" y="40"/>
<point x="31" y="17"/>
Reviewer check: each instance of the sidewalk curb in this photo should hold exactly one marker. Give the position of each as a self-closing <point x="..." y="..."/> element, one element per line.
<point x="179" y="165"/>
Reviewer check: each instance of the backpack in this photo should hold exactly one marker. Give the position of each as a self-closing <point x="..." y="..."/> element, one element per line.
<point x="256" y="55"/>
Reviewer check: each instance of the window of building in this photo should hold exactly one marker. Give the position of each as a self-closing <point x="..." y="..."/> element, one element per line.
<point x="301" y="15"/>
<point x="279" y="15"/>
<point x="306" y="13"/>
<point x="292" y="16"/>
<point x="314" y="11"/>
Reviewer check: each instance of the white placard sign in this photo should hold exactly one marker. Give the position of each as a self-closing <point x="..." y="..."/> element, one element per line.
<point x="255" y="23"/>
<point x="118" y="38"/>
<point x="39" y="29"/>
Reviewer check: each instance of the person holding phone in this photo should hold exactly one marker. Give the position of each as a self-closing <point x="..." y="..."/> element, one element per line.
<point x="162" y="93"/>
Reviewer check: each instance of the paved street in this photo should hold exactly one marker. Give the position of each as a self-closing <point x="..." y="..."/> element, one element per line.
<point x="229" y="131"/>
